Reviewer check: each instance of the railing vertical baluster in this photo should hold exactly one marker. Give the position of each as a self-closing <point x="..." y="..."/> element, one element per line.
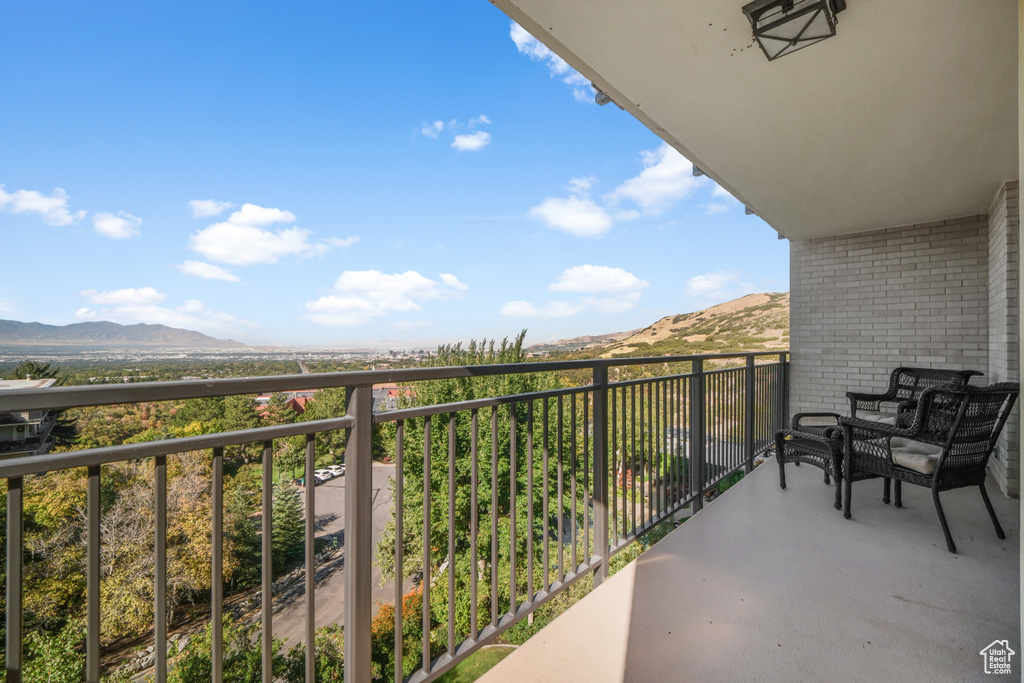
<point x="586" y="479"/>
<point x="749" y="414"/>
<point x="399" y="545"/>
<point x="573" y="527"/>
<point x="697" y="435"/>
<point x="310" y="559"/>
<point x="14" y="618"/>
<point x="662" y="447"/>
<point x="217" y="568"/>
<point x="512" y="480"/>
<point x="474" y="522"/>
<point x="451" y="533"/>
<point x="267" y="568"/>
<point x="426" y="544"/>
<point x="544" y="497"/>
<point x="531" y="588"/>
<point x="92" y="580"/>
<point x="600" y="468"/>
<point x="625" y="456"/>
<point x="494" y="516"/>
<point x="561" y="491"/>
<point x="160" y="570"/>
<point x="632" y="459"/>
<point x="644" y="456"/>
<point x="614" y="463"/>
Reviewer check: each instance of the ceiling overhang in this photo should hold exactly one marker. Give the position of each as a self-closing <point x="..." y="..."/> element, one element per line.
<point x="907" y="115"/>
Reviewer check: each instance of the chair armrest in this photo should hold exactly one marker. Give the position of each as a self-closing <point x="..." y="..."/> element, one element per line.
<point x="824" y="430"/>
<point x="876" y="430"/>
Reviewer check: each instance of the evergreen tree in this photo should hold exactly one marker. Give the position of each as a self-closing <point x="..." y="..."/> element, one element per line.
<point x="288" y="526"/>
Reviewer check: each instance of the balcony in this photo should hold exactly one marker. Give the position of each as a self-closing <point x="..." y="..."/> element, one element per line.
<point x="541" y="487"/>
<point x="772" y="584"/>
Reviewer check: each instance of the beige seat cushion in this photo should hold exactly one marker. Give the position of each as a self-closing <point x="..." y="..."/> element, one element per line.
<point x="876" y="416"/>
<point x="915" y="455"/>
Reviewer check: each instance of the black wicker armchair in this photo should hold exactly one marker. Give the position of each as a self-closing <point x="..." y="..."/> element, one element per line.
<point x="905" y="386"/>
<point x="945" y="444"/>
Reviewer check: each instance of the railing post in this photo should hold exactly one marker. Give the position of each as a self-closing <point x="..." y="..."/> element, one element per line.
<point x="15" y="559"/>
<point x="784" y="418"/>
<point x="748" y="432"/>
<point x="600" y="468"/>
<point x="697" y="444"/>
<point x="358" y="532"/>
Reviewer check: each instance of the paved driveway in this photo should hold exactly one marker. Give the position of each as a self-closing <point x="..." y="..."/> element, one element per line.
<point x="290" y="607"/>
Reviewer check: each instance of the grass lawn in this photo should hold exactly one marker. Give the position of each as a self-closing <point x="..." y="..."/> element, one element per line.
<point x="476" y="665"/>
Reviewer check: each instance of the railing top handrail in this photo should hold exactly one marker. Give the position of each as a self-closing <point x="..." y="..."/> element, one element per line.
<point x="59" y="398"/>
<point x="38" y="464"/>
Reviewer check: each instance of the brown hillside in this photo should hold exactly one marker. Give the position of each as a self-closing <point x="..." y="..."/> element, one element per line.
<point x="753" y="322"/>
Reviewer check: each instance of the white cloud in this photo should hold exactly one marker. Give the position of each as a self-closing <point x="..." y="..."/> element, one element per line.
<point x="6" y="306"/>
<point x="589" y="279"/>
<point x="667" y="178"/>
<point x="359" y="296"/>
<point x="718" y="286"/>
<point x="241" y="240"/>
<point x="714" y="208"/>
<point x="477" y="120"/>
<point x="207" y="271"/>
<point x="142" y="305"/>
<point x="606" y="290"/>
<point x="449" y="280"/>
<point x="341" y="243"/>
<point x="144" y="296"/>
<point x="119" y="227"/>
<point x="202" y="208"/>
<point x="432" y="130"/>
<point x="472" y="142"/>
<point x="721" y="193"/>
<point x="552" y="309"/>
<point x="53" y="209"/>
<point x="557" y="67"/>
<point x="578" y="214"/>
<point x="260" y="216"/>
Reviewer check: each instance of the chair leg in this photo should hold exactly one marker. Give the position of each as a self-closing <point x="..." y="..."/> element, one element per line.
<point x="898" y="493"/>
<point x="826" y="479"/>
<point x="885" y="490"/>
<point x="849" y="490"/>
<point x="991" y="512"/>
<point x="839" y="492"/>
<point x="942" y="521"/>
<point x="782" y="472"/>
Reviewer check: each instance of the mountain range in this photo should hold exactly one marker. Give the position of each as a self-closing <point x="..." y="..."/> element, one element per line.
<point x="104" y="333"/>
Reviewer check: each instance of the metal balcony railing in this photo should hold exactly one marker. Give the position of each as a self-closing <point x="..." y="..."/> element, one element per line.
<point x="575" y="475"/>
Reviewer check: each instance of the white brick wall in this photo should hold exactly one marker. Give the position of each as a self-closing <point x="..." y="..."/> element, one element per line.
<point x="1004" y="324"/>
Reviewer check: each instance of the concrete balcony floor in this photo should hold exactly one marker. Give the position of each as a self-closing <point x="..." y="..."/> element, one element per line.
<point x="768" y="584"/>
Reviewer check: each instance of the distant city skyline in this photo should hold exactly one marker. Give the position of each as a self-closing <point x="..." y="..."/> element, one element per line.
<point x="387" y="175"/>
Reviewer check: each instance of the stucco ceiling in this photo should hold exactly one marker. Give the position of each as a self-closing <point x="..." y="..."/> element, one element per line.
<point x="907" y="115"/>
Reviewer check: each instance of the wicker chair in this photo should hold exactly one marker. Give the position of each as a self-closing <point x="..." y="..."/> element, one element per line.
<point x="905" y="386"/>
<point x="945" y="445"/>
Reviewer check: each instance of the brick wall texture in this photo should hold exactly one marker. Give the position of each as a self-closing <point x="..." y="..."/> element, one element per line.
<point x="915" y="295"/>
<point x="1004" y="323"/>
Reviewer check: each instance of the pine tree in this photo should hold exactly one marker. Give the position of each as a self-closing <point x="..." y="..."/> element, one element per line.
<point x="288" y="526"/>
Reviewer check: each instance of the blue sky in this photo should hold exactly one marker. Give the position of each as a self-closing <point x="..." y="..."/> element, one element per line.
<point x="336" y="173"/>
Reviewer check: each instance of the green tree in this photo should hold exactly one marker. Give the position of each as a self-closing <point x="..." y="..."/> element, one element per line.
<point x="288" y="526"/>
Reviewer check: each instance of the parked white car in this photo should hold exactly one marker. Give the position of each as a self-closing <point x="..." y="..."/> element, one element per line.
<point x="326" y="475"/>
<point x="336" y="470"/>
